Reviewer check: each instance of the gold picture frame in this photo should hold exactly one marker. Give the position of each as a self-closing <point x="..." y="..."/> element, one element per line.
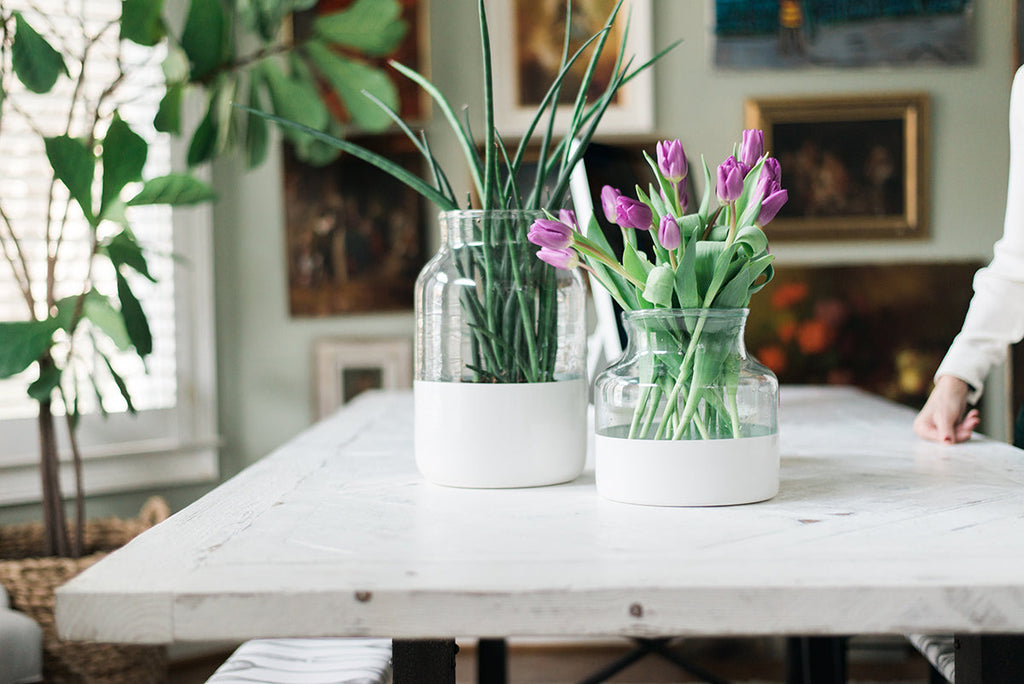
<point x="855" y="166"/>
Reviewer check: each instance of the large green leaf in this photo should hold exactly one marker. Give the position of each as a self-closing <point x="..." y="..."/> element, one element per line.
<point x="349" y="79"/>
<point x="43" y="386"/>
<point x="124" y="155"/>
<point x="122" y="386"/>
<point x="204" y="141"/>
<point x="204" y="38"/>
<point x="74" y="165"/>
<point x="22" y="343"/>
<point x="101" y="313"/>
<point x="168" y="115"/>
<point x="141" y="21"/>
<point x="175" y="189"/>
<point x="123" y="250"/>
<point x="134" y="318"/>
<point x="35" y="62"/>
<point x="374" y="27"/>
<point x="295" y="101"/>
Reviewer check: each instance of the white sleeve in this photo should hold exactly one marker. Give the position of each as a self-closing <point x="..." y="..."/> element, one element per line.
<point x="995" y="318"/>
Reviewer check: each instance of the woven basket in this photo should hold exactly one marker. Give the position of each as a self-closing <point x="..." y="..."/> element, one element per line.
<point x="31" y="580"/>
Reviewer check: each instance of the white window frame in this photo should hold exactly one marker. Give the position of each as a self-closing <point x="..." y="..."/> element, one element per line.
<point x="154" y="448"/>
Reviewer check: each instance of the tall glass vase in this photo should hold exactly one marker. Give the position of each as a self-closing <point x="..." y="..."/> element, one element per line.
<point x="686" y="417"/>
<point x="500" y="358"/>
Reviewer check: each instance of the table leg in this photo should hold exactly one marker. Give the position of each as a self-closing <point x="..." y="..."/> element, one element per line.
<point x="492" y="661"/>
<point x="423" y="660"/>
<point x="989" y="658"/>
<point x="816" y="660"/>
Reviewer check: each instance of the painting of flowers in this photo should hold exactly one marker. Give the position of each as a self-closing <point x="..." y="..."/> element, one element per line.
<point x="873" y="326"/>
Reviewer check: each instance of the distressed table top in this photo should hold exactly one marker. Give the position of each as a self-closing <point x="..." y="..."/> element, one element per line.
<point x="336" y="533"/>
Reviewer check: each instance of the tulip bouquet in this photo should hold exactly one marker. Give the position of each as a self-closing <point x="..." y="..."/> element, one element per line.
<point x="713" y="258"/>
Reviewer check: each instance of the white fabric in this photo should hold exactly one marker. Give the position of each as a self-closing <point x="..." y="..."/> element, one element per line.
<point x="995" y="318"/>
<point x="21" y="648"/>
<point x="308" y="661"/>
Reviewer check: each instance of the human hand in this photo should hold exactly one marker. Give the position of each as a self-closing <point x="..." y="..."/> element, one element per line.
<point x="940" y="420"/>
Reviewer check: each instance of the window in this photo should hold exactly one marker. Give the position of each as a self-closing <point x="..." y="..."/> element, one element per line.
<point x="172" y="438"/>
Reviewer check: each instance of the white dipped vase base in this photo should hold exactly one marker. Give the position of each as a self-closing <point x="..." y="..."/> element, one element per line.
<point x="715" y="472"/>
<point x="499" y="436"/>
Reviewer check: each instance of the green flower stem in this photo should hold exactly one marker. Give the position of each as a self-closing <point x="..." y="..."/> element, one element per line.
<point x="584" y="245"/>
<point x="524" y="310"/>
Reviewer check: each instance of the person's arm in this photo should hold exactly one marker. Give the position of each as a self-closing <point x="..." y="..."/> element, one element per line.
<point x="995" y="318"/>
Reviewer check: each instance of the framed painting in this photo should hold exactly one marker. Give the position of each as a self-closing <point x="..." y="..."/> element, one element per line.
<point x="874" y="326"/>
<point x="785" y="34"/>
<point x="855" y="166"/>
<point x="414" y="104"/>
<point x="526" y="55"/>
<point x="344" y="368"/>
<point x="1018" y="34"/>
<point x="354" y="234"/>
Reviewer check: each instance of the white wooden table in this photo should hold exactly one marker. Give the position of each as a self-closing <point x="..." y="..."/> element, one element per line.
<point x="336" y="534"/>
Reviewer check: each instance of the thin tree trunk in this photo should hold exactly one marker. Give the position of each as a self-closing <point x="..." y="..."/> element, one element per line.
<point x="55" y="525"/>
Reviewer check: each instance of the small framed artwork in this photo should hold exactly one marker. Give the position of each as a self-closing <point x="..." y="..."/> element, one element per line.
<point x="788" y="34"/>
<point x="854" y="167"/>
<point x="1018" y="34"/>
<point x="344" y="368"/>
<point x="354" y="234"/>
<point x="527" y="52"/>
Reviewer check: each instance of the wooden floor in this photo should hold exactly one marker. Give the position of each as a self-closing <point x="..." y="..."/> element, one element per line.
<point x="871" y="660"/>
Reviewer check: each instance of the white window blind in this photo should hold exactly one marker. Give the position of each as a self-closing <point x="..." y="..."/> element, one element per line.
<point x="171" y="438"/>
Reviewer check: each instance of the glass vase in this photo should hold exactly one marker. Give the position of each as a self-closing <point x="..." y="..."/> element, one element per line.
<point x="686" y="417"/>
<point x="500" y="358"/>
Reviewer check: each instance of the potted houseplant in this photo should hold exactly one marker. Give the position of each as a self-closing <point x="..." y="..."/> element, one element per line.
<point x="685" y="416"/>
<point x="500" y="381"/>
<point x="73" y="333"/>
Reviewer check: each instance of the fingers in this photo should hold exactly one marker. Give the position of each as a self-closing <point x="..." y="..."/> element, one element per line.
<point x="966" y="426"/>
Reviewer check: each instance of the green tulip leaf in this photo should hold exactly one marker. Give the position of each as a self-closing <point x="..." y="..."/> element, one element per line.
<point x="36" y="63"/>
<point x="373" y="27"/>
<point x="74" y="165"/>
<point x="174" y="189"/>
<point x="349" y="79"/>
<point x="141" y="21"/>
<point x="660" y="283"/>
<point x="124" y="156"/>
<point x="22" y="343"/>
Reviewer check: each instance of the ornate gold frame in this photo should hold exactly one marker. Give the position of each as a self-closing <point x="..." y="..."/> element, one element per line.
<point x="910" y="108"/>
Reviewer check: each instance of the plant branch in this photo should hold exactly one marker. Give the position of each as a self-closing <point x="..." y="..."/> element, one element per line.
<point x="23" y="277"/>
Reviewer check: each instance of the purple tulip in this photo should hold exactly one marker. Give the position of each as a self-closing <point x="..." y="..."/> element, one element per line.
<point x="752" y="147"/>
<point x="730" y="180"/>
<point x="771" y="205"/>
<point x="630" y="213"/>
<point x="772" y="196"/>
<point x="550" y="233"/>
<point x="608" y="197"/>
<point x="568" y="217"/>
<point x="668" y="233"/>
<point x="672" y="160"/>
<point x="772" y="168"/>
<point x="565" y="259"/>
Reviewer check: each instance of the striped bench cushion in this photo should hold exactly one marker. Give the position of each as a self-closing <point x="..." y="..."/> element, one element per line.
<point x="938" y="649"/>
<point x="308" y="661"/>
